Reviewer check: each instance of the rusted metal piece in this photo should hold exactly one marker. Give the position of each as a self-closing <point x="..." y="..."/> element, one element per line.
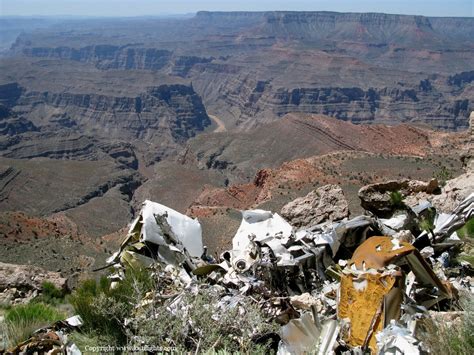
<point x="368" y="300"/>
<point x="378" y="252"/>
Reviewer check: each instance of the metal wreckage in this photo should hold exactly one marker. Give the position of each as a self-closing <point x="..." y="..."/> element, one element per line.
<point x="352" y="286"/>
<point x="52" y="339"/>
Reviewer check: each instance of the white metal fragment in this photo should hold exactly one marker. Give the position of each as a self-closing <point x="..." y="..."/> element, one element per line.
<point x="396" y="340"/>
<point x="74" y="321"/>
<point x="187" y="230"/>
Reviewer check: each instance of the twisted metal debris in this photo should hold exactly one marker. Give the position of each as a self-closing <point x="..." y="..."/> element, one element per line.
<point x="302" y="277"/>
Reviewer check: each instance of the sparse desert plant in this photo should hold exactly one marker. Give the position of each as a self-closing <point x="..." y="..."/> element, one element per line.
<point x="468" y="230"/>
<point x="426" y="221"/>
<point x="451" y="338"/>
<point x="50" y="294"/>
<point x="199" y="325"/>
<point x="104" y="309"/>
<point x="396" y="199"/>
<point x="22" y="320"/>
<point x="442" y="175"/>
<point x="466" y="233"/>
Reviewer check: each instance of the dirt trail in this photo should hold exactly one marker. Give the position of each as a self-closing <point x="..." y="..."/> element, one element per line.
<point x="220" y="125"/>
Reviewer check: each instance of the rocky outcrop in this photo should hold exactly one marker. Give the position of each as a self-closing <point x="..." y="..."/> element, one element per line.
<point x="454" y="192"/>
<point x="20" y="283"/>
<point x="64" y="145"/>
<point x="383" y="198"/>
<point x="11" y="125"/>
<point x="183" y="64"/>
<point x="55" y="146"/>
<point x="123" y="153"/>
<point x="326" y="203"/>
<point x="461" y="79"/>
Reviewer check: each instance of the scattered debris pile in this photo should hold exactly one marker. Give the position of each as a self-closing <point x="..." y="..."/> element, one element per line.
<point x="353" y="285"/>
<point x="51" y="340"/>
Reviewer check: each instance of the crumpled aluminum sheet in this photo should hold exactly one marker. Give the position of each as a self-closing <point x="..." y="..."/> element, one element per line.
<point x="305" y="335"/>
<point x="187" y="230"/>
<point x="447" y="224"/>
<point x="396" y="340"/>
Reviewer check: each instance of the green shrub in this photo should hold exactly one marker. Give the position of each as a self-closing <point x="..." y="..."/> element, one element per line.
<point x="22" y="320"/>
<point x="198" y="325"/>
<point x="456" y="338"/>
<point x="443" y="175"/>
<point x="88" y="340"/>
<point x="467" y="231"/>
<point x="396" y="199"/>
<point x="426" y="221"/>
<point x="51" y="291"/>
<point x="50" y="294"/>
<point x="103" y="309"/>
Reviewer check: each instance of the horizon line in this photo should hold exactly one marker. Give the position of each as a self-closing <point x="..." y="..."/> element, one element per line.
<point x="184" y="14"/>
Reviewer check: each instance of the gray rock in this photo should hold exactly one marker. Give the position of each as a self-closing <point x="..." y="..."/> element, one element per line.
<point x="454" y="192"/>
<point x="20" y="283"/>
<point x="376" y="198"/>
<point x="326" y="203"/>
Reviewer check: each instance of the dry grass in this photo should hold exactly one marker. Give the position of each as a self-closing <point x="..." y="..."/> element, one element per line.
<point x="21" y="321"/>
<point x="451" y="337"/>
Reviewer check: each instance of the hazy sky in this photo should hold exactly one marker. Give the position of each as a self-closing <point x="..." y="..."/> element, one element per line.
<point x="163" y="7"/>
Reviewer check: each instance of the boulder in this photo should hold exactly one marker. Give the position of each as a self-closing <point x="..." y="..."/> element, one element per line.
<point x="326" y="203"/>
<point x="455" y="191"/>
<point x="20" y="283"/>
<point x="377" y="199"/>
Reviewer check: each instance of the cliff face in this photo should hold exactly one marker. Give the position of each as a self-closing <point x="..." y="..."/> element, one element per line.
<point x="256" y="101"/>
<point x="379" y="105"/>
<point x="170" y="110"/>
<point x="367" y="27"/>
<point x="128" y="131"/>
<point x="126" y="57"/>
<point x="106" y="56"/>
<point x="334" y="26"/>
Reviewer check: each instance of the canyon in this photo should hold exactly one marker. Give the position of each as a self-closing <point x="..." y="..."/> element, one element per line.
<point x="220" y="111"/>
